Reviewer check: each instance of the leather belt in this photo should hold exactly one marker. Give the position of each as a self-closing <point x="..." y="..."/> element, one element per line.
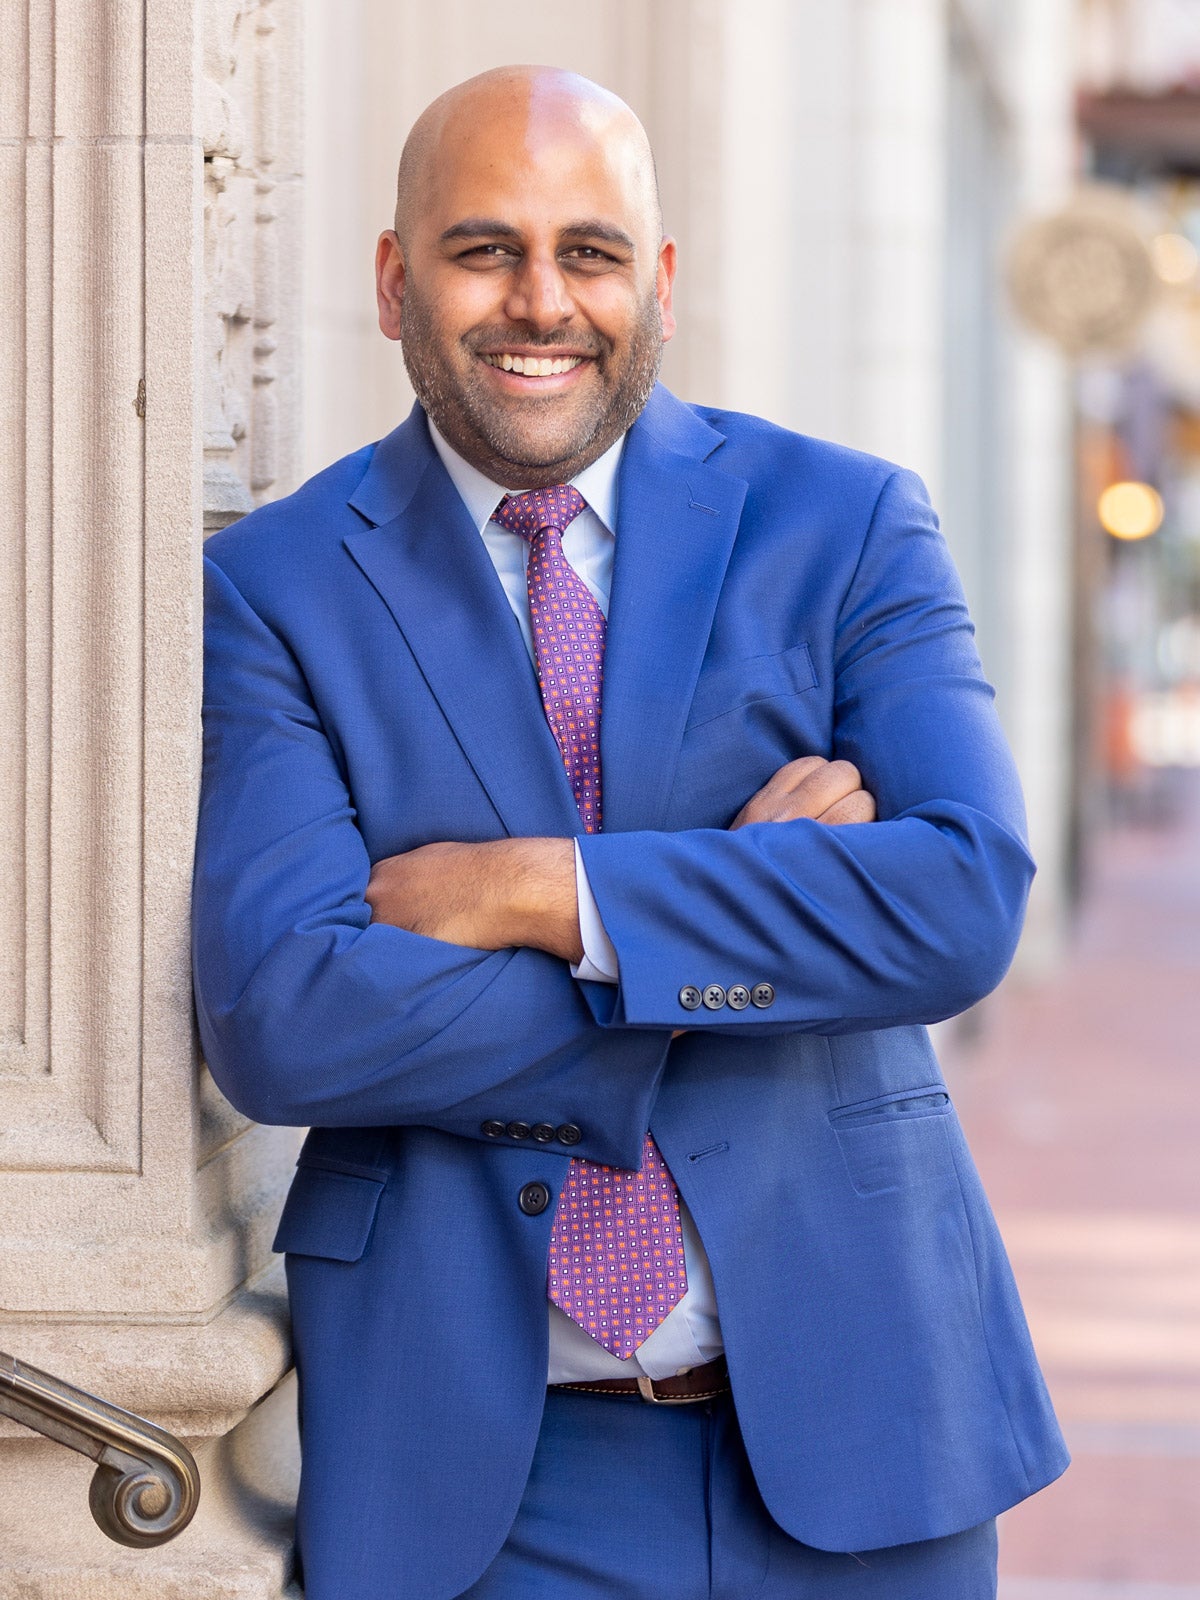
<point x="701" y="1383"/>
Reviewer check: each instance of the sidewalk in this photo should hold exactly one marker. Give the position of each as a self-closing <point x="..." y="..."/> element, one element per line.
<point x="1082" y="1105"/>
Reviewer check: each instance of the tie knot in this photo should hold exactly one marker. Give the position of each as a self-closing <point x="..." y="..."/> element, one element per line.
<point x="526" y="514"/>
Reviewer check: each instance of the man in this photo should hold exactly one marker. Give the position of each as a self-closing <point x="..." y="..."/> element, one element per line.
<point x="613" y="997"/>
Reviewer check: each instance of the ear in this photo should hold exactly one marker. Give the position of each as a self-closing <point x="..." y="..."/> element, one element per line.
<point x="663" y="286"/>
<point x="389" y="282"/>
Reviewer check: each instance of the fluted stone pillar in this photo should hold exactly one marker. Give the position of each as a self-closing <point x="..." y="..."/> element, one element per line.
<point x="148" y="365"/>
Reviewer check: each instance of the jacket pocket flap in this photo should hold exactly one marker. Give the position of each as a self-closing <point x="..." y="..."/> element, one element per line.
<point x="724" y="689"/>
<point x="328" y="1214"/>
<point x="930" y="1101"/>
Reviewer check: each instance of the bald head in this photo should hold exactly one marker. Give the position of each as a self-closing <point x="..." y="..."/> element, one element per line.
<point x="534" y="105"/>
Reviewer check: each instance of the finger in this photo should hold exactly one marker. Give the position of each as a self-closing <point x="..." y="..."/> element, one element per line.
<point x="824" y="788"/>
<point x="811" y="796"/>
<point x="836" y="780"/>
<point x="774" y="801"/>
<point x="794" y="772"/>
<point x="856" y="807"/>
<point x="816" y="773"/>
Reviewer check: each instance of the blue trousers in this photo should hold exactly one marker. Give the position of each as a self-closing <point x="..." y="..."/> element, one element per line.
<point x="629" y="1501"/>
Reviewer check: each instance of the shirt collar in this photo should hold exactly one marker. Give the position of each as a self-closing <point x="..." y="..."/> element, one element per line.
<point x="597" y="483"/>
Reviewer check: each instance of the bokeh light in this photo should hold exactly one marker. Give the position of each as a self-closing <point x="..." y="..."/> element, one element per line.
<point x="1130" y="510"/>
<point x="1175" y="257"/>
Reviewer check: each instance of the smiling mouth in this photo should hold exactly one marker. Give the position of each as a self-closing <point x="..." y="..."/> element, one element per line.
<point x="534" y="366"/>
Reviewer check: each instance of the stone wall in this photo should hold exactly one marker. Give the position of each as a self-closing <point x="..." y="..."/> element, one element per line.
<point x="251" y="113"/>
<point x="148" y="349"/>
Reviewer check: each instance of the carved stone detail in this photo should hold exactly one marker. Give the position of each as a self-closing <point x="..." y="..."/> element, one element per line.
<point x="249" y="449"/>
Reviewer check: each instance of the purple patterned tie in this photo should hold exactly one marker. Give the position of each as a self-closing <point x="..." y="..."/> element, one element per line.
<point x="616" y="1249"/>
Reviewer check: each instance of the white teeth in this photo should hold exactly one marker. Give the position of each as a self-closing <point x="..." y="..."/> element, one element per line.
<point x="533" y="366"/>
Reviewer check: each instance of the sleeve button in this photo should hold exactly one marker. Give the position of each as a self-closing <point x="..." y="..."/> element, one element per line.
<point x="517" y="1130"/>
<point x="492" y="1130"/>
<point x="690" y="997"/>
<point x="762" y="995"/>
<point x="714" y="997"/>
<point x="569" y="1134"/>
<point x="542" y="1132"/>
<point x="738" y="997"/>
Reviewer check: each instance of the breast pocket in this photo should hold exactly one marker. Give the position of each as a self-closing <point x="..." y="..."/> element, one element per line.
<point x="896" y="1140"/>
<point x="329" y="1212"/>
<point x="742" y="683"/>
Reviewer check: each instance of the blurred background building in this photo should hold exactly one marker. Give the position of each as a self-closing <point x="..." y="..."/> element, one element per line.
<point x="962" y="234"/>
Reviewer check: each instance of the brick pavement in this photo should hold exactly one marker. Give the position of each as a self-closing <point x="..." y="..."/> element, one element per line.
<point x="1081" y="1103"/>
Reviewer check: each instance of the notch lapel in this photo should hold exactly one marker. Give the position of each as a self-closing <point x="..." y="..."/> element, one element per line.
<point x="677" y="520"/>
<point x="431" y="568"/>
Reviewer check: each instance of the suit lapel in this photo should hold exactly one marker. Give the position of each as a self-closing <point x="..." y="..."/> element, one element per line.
<point x="677" y="520"/>
<point x="432" y="570"/>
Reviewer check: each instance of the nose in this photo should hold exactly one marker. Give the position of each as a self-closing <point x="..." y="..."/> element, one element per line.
<point x="539" y="294"/>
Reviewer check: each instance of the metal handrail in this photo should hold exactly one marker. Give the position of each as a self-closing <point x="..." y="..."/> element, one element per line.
<point x="146" y="1485"/>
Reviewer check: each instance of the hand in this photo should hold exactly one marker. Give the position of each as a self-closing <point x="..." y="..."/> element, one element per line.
<point x="823" y="791"/>
<point x="487" y="896"/>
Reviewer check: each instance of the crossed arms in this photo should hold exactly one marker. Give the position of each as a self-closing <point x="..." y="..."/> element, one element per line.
<point x="521" y="892"/>
<point x="333" y="990"/>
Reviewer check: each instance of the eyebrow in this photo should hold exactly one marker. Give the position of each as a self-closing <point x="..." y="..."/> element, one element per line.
<point x="593" y="228"/>
<point x="492" y="228"/>
<point x="479" y="228"/>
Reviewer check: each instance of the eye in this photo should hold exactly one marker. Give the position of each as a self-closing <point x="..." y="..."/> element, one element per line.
<point x="589" y="255"/>
<point x="486" y="252"/>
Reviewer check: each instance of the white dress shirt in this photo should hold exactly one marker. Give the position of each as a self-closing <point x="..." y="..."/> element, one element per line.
<point x="691" y="1334"/>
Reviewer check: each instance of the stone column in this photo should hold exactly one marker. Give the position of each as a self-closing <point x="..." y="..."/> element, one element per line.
<point x="148" y="370"/>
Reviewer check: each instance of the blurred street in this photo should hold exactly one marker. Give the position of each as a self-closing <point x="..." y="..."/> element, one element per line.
<point x="1080" y="1102"/>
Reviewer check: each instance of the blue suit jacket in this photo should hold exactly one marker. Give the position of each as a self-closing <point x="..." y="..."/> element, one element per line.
<point x="368" y="691"/>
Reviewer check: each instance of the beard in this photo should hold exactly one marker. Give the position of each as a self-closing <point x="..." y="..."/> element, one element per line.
<point x="530" y="443"/>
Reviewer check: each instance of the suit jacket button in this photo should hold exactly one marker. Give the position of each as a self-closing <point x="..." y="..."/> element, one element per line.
<point x="739" y="997"/>
<point x="543" y="1132"/>
<point x="569" y="1134"/>
<point x="519" y="1130"/>
<point x="533" y="1199"/>
<point x="492" y="1130"/>
<point x="690" y="997"/>
<point x="714" y="997"/>
<point x="762" y="995"/>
